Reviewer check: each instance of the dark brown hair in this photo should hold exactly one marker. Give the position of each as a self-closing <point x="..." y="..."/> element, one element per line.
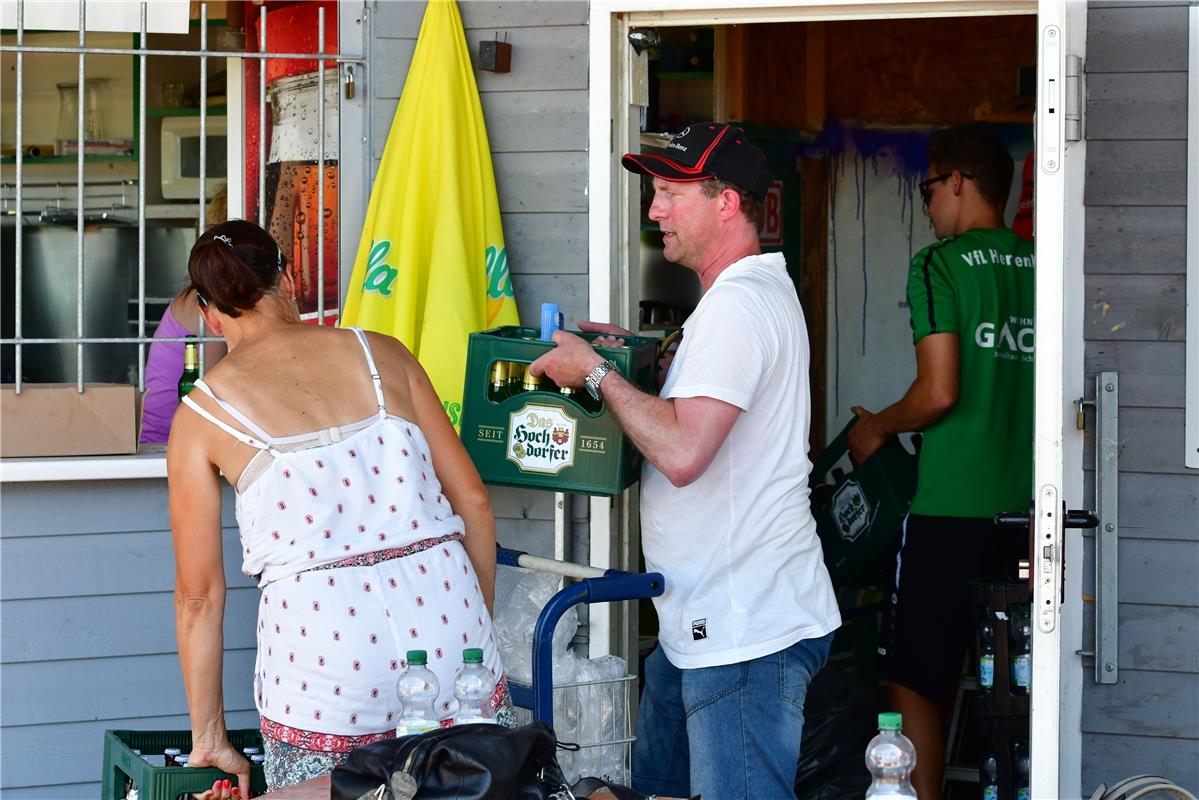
<point x="751" y="204"/>
<point x="978" y="152"/>
<point x="233" y="264"/>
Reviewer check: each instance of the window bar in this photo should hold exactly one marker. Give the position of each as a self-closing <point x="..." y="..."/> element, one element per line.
<point x="200" y="347"/>
<point x="262" y="117"/>
<point x="320" y="168"/>
<point x="19" y="229"/>
<point x="80" y="142"/>
<point x="141" y="205"/>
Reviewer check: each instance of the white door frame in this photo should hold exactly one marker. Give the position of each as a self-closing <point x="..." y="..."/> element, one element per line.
<point x="612" y="227"/>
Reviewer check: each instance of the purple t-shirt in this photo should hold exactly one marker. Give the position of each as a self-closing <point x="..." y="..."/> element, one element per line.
<point x="164" y="367"/>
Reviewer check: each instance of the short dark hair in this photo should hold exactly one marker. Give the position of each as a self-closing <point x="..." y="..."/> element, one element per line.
<point x="751" y="204"/>
<point x="233" y="264"/>
<point x="978" y="152"/>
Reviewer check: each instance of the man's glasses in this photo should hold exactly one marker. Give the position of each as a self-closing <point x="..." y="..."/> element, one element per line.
<point x="926" y="187"/>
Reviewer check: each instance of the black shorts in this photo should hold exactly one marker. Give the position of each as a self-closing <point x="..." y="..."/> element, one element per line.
<point x="932" y="615"/>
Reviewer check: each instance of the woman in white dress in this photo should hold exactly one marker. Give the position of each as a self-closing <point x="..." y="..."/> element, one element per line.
<point x="360" y="515"/>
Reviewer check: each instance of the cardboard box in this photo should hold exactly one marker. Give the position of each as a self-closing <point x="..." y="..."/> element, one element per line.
<point x="53" y="419"/>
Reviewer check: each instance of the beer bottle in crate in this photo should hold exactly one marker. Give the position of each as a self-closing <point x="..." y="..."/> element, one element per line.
<point x="191" y="369"/>
<point x="499" y="389"/>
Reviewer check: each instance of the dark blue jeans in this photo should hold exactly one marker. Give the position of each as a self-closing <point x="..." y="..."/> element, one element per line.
<point x="725" y="732"/>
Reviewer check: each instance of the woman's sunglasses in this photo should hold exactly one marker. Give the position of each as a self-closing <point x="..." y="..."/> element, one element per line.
<point x="926" y="187"/>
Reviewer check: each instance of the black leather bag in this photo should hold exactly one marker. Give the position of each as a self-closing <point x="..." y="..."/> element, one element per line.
<point x="465" y="762"/>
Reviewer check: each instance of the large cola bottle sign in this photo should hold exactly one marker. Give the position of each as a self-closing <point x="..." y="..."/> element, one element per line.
<point x="541" y="438"/>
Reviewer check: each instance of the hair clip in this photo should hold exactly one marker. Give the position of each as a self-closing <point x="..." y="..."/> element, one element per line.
<point x="223" y="238"/>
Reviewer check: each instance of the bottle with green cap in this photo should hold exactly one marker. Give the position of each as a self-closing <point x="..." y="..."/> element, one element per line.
<point x="417" y="689"/>
<point x="890" y="757"/>
<point x="473" y="687"/>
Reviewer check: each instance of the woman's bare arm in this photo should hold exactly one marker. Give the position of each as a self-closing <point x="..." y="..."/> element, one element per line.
<point x="195" y="505"/>
<point x="460" y="481"/>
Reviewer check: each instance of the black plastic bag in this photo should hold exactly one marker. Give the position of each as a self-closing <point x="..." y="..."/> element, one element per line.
<point x="465" y="762"/>
<point x="839" y="721"/>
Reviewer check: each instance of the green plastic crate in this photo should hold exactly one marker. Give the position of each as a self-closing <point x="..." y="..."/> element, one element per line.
<point x="166" y="783"/>
<point x="859" y="513"/>
<point x="542" y="439"/>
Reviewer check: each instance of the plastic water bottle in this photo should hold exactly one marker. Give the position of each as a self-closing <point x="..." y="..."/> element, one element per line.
<point x="988" y="773"/>
<point x="986" y="654"/>
<point x="1022" y="768"/>
<point x="473" y="687"/>
<point x="417" y="689"/>
<point x="890" y="757"/>
<point x="1021" y="658"/>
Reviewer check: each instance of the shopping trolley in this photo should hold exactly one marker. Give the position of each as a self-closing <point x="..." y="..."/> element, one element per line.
<point x="606" y="751"/>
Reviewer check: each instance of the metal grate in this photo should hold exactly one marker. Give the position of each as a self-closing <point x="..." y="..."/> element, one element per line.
<point x="126" y="200"/>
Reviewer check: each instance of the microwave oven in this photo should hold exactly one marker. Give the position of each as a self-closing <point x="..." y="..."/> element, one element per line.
<point x="180" y="147"/>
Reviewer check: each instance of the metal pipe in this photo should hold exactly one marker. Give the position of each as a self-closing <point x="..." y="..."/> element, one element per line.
<point x="138" y="51"/>
<point x="141" y="207"/>
<point x="80" y="141"/>
<point x="111" y="340"/>
<point x="320" y="167"/>
<point x="262" y="117"/>
<point x="200" y="227"/>
<point x="19" y="225"/>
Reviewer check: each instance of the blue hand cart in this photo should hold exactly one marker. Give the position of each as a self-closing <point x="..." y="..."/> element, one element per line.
<point x="606" y="752"/>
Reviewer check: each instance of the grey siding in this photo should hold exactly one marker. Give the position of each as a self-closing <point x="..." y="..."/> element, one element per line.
<point x="87" y="629"/>
<point x="536" y="119"/>
<point x="1135" y="312"/>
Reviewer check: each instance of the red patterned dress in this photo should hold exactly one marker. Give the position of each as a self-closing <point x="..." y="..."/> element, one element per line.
<point x="359" y="557"/>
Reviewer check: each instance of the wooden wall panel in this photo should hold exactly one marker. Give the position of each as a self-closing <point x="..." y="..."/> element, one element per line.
<point x="1152" y="374"/>
<point x="1111" y="758"/>
<point x="1136" y="239"/>
<point x="1135" y="308"/>
<point x="1139" y="37"/>
<point x="1135" y="173"/>
<point x="1142" y="628"/>
<point x="1154" y="506"/>
<point x="1144" y="704"/>
<point x="1155" y="572"/>
<point x="1136" y="106"/>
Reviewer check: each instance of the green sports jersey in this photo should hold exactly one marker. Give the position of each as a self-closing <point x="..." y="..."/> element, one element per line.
<point x="977" y="460"/>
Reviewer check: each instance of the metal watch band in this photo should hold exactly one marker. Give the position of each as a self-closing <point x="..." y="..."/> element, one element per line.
<point x="592" y="381"/>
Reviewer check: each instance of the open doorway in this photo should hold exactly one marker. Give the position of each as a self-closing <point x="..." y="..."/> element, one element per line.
<point x="844" y="111"/>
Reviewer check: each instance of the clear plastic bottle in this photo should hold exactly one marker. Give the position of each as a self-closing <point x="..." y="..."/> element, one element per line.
<point x="890" y="757"/>
<point x="473" y="687"/>
<point x="988" y="772"/>
<point x="1021" y="644"/>
<point x="1021" y="769"/>
<point x="417" y="689"/>
<point x="986" y="653"/>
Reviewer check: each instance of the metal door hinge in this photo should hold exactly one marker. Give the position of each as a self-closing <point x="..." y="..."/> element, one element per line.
<point x="1073" y="99"/>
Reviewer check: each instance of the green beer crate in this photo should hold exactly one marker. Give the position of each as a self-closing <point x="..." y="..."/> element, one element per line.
<point x="542" y="439"/>
<point x="166" y="783"/>
<point x="859" y="513"/>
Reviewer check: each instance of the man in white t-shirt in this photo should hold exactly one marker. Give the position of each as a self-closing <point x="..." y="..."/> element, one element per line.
<point x="748" y="613"/>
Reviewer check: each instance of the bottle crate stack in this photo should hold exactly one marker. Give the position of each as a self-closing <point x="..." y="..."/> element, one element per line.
<point x="522" y="430"/>
<point x="137" y="762"/>
<point x="1003" y="640"/>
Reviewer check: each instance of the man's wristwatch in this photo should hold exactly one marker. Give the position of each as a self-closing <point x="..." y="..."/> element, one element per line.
<point x="592" y="381"/>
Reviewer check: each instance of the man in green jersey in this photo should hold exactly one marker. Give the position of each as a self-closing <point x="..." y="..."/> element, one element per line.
<point x="971" y="301"/>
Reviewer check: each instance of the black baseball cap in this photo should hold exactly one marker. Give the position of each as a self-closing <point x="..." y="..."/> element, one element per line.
<point x="707" y="150"/>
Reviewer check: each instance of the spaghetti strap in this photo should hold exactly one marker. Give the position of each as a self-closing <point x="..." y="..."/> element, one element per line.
<point x="242" y="437"/>
<point x="370" y="362"/>
<point x="228" y="408"/>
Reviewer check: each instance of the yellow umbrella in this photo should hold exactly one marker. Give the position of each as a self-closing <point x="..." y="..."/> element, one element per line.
<point x="431" y="266"/>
